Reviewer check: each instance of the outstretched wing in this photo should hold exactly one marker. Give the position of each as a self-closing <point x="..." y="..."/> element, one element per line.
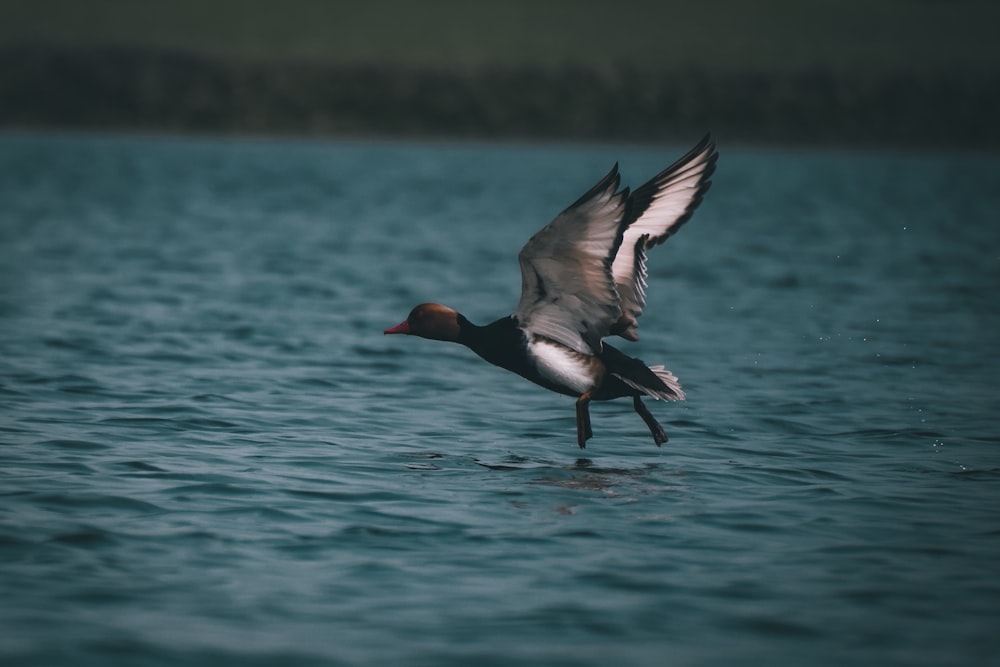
<point x="655" y="211"/>
<point x="568" y="292"/>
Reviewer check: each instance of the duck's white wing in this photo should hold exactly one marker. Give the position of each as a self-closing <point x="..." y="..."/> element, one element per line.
<point x="568" y="292"/>
<point x="655" y="211"/>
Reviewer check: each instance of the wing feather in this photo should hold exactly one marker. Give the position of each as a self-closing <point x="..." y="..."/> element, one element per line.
<point x="656" y="211"/>
<point x="583" y="276"/>
<point x="568" y="293"/>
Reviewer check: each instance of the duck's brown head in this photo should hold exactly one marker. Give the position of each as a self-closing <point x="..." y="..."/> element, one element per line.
<point x="430" y="320"/>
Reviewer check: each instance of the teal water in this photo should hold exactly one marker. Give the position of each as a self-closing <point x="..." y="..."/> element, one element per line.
<point x="209" y="454"/>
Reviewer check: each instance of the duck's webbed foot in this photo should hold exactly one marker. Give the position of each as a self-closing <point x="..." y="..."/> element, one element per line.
<point x="659" y="435"/>
<point x="583" y="430"/>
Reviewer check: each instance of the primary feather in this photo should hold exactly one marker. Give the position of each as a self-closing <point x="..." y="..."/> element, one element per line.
<point x="583" y="276"/>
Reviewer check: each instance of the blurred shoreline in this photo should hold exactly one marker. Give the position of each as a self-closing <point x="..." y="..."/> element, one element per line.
<point x="147" y="90"/>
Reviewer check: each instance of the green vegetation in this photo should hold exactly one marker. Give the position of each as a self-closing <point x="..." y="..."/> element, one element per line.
<point x="899" y="72"/>
<point x="770" y="35"/>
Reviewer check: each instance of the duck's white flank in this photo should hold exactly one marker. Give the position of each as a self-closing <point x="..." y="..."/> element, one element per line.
<point x="563" y="366"/>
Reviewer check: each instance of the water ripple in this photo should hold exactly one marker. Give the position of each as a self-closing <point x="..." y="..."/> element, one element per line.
<point x="210" y="454"/>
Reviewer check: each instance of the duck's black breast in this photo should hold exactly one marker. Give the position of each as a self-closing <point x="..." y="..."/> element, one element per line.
<point x="503" y="344"/>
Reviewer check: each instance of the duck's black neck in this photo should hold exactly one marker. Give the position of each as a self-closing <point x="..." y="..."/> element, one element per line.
<point x="499" y="342"/>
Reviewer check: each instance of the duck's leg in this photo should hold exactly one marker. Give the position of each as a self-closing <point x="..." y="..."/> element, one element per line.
<point x="583" y="431"/>
<point x="659" y="435"/>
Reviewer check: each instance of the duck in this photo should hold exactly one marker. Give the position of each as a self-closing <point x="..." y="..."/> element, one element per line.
<point x="583" y="279"/>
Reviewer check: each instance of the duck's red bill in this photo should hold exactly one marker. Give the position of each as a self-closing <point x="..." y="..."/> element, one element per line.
<point x="401" y="328"/>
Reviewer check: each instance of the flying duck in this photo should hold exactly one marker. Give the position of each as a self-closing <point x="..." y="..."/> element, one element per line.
<point x="583" y="278"/>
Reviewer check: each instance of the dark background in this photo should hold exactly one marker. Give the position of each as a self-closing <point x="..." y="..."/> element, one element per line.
<point x="904" y="73"/>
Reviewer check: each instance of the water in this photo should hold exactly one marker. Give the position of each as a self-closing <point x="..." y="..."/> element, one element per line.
<point x="211" y="455"/>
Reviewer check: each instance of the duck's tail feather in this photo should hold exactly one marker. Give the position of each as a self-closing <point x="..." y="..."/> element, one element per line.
<point x="669" y="389"/>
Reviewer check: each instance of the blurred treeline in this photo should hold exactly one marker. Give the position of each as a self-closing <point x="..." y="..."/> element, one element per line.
<point x="168" y="91"/>
<point x="916" y="73"/>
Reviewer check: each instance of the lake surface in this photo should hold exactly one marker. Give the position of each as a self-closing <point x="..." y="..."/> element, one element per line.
<point x="210" y="454"/>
